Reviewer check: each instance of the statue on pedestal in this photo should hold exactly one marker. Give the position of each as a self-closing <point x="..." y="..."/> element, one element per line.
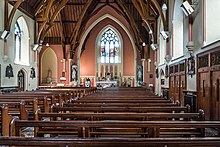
<point x="49" y="76"/>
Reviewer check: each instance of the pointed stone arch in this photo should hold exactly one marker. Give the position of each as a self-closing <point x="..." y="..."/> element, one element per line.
<point x="93" y="25"/>
<point x="49" y="67"/>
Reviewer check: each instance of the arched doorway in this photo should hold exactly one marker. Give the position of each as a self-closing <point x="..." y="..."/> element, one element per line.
<point x="21" y="80"/>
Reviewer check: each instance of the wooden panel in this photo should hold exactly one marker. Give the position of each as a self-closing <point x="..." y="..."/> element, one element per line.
<point x="182" y="87"/>
<point x="204" y="93"/>
<point x="177" y="87"/>
<point x="172" y="87"/>
<point x="215" y="108"/>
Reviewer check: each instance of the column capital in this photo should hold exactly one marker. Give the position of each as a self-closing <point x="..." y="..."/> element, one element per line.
<point x="143" y="59"/>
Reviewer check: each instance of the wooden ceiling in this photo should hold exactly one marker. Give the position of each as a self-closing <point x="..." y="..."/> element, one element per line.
<point x="61" y="21"/>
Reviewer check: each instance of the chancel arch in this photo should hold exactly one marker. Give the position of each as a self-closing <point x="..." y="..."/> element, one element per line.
<point x="124" y="28"/>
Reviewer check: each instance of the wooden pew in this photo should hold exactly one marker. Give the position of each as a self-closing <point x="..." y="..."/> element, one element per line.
<point x="88" y="128"/>
<point x="111" y="142"/>
<point x="79" y="91"/>
<point x="75" y="104"/>
<point x="122" y="109"/>
<point x="43" y="102"/>
<point x="87" y="90"/>
<point x="121" y="101"/>
<point x="45" y="99"/>
<point x="5" y="121"/>
<point x="16" y="109"/>
<point x="127" y="97"/>
<point x="120" y="116"/>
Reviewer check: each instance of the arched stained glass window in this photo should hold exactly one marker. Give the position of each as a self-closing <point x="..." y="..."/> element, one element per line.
<point x="109" y="49"/>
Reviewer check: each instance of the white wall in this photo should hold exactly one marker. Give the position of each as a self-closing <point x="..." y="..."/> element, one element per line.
<point x="177" y="30"/>
<point x="212" y="20"/>
<point x="30" y="83"/>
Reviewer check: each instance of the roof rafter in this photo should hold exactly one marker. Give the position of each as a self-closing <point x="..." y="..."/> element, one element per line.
<point x="73" y="38"/>
<point x="8" y="19"/>
<point x="59" y="7"/>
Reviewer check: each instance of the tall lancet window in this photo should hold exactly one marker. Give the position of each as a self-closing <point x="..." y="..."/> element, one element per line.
<point x="21" y="42"/>
<point x="17" y="42"/>
<point x="109" y="48"/>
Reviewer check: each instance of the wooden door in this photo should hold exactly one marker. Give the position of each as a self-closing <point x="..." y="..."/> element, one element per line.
<point x="204" y="93"/>
<point x="215" y="104"/>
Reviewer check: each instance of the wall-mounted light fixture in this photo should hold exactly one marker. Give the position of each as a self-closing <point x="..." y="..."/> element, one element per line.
<point x="189" y="9"/>
<point x="4" y="34"/>
<point x="164" y="34"/>
<point x="154" y="46"/>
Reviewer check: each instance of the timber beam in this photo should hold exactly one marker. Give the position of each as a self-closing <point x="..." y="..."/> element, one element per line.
<point x="8" y="19"/>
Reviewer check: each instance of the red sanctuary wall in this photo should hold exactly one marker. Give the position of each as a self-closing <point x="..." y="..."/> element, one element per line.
<point x="88" y="57"/>
<point x="128" y="54"/>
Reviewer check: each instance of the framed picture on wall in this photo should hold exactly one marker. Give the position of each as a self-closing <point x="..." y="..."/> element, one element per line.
<point x="191" y="65"/>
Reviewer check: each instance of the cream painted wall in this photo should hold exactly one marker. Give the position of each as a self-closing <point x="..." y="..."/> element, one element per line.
<point x="212" y="20"/>
<point x="9" y="46"/>
<point x="1" y="29"/>
<point x="197" y="37"/>
<point x="177" y="30"/>
<point x="212" y="30"/>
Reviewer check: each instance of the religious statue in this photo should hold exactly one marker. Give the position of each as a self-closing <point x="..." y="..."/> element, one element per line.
<point x="32" y="75"/>
<point x="9" y="71"/>
<point x="139" y="75"/>
<point x="49" y="76"/>
<point x="88" y="82"/>
<point x="74" y="73"/>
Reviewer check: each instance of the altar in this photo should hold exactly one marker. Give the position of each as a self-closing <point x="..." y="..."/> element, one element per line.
<point x="107" y="83"/>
